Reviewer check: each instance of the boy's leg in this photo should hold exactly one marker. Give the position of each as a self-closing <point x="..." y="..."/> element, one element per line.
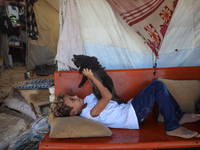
<point x="157" y="91"/>
<point x="179" y="114"/>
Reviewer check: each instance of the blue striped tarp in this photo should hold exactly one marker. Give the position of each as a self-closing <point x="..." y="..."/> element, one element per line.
<point x="37" y="84"/>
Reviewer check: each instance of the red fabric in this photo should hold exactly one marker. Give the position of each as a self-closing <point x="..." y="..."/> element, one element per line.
<point x="149" y="18"/>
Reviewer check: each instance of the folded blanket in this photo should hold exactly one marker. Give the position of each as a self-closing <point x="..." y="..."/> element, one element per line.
<point x="37" y="84"/>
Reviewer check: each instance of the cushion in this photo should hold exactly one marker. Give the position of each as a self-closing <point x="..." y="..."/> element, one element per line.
<point x="75" y="127"/>
<point x="186" y="93"/>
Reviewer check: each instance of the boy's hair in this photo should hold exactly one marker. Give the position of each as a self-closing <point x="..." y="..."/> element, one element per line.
<point x="59" y="108"/>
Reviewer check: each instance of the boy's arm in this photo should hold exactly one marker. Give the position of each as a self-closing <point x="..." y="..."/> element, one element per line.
<point x="105" y="93"/>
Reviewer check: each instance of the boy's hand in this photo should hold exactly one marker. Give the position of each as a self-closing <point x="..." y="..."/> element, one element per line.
<point x="106" y="95"/>
<point x="88" y="73"/>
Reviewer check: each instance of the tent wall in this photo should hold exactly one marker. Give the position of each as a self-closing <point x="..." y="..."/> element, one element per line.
<point x="181" y="45"/>
<point x="118" y="46"/>
<point x="43" y="50"/>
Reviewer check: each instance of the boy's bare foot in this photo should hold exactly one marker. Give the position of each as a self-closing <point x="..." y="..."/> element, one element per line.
<point x="189" y="118"/>
<point x="183" y="133"/>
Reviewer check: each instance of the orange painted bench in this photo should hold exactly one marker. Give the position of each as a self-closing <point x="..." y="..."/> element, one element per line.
<point x="128" y="83"/>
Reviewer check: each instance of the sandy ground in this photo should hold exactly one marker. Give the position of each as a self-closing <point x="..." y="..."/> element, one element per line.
<point x="9" y="77"/>
<point x="12" y="77"/>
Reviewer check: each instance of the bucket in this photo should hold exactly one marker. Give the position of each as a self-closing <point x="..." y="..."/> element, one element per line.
<point x="1" y="64"/>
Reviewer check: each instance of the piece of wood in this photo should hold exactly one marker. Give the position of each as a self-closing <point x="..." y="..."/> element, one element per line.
<point x="38" y="97"/>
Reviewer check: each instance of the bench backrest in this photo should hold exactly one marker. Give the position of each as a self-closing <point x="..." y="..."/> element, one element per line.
<point x="127" y="82"/>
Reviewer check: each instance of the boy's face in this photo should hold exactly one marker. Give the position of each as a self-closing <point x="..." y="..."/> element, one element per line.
<point x="75" y="102"/>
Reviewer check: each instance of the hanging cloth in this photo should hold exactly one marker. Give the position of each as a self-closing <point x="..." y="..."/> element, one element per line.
<point x="149" y="18"/>
<point x="70" y="38"/>
<point x="31" y="22"/>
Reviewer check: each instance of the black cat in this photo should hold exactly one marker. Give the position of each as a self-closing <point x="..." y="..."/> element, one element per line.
<point x="83" y="61"/>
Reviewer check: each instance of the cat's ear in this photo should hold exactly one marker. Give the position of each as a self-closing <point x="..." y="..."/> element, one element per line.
<point x="95" y="58"/>
<point x="73" y="59"/>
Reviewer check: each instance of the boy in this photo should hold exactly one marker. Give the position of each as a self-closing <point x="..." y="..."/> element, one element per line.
<point x="127" y="115"/>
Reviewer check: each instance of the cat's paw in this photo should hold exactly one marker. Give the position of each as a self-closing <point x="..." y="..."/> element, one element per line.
<point x="80" y="85"/>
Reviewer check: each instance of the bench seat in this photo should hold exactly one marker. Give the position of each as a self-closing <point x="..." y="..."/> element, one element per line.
<point x="128" y="83"/>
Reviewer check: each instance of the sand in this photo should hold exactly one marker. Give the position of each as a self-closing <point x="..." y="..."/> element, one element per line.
<point x="11" y="77"/>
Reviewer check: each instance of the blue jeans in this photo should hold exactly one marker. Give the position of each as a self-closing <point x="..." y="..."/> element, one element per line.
<point x="157" y="92"/>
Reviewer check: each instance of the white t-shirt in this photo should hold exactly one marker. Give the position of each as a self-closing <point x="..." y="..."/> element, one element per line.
<point x="114" y="115"/>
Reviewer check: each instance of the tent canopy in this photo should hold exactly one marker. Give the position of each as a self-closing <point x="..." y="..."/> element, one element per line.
<point x="99" y="28"/>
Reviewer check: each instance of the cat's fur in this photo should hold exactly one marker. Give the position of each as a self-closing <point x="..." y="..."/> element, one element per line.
<point x="83" y="61"/>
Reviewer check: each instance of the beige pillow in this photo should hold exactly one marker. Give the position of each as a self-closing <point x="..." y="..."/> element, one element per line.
<point x="186" y="93"/>
<point x="75" y="127"/>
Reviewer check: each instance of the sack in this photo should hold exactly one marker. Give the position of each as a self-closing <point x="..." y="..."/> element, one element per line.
<point x="6" y="25"/>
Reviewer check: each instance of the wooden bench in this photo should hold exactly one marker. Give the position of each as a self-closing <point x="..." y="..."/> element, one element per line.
<point x="128" y="83"/>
